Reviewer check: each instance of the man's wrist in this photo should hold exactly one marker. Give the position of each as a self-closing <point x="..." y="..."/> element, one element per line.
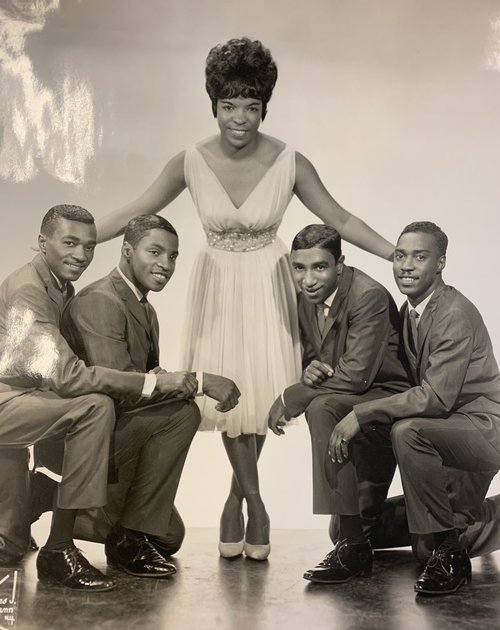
<point x="200" y="379"/>
<point x="149" y="385"/>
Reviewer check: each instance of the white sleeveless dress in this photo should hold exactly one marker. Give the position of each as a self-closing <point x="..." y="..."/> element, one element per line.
<point x="241" y="319"/>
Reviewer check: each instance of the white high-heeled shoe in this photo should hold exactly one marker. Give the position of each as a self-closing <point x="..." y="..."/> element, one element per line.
<point x="231" y="549"/>
<point x="257" y="552"/>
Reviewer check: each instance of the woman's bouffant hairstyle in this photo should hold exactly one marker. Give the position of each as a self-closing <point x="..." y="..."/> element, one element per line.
<point x="240" y="68"/>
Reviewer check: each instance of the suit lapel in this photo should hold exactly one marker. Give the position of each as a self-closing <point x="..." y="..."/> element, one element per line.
<point x="336" y="308"/>
<point x="427" y="319"/>
<point x="132" y="304"/>
<point x="53" y="291"/>
<point x="311" y="321"/>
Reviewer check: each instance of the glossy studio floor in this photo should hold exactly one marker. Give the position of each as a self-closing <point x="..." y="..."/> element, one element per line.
<point x="211" y="593"/>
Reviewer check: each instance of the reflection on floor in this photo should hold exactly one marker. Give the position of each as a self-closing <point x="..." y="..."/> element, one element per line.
<point x="240" y="594"/>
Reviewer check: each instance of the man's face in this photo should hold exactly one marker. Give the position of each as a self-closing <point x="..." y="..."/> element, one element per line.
<point x="316" y="272"/>
<point x="69" y="250"/>
<point x="417" y="265"/>
<point x="151" y="264"/>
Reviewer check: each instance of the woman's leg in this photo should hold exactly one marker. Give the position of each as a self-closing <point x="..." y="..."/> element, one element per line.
<point x="243" y="452"/>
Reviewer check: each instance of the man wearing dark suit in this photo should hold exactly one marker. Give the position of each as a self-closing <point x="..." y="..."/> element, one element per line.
<point x="350" y="340"/>
<point x="111" y="324"/>
<point x="450" y="418"/>
<point x="46" y="391"/>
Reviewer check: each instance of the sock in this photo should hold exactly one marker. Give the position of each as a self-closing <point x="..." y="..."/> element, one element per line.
<point x="350" y="528"/>
<point x="448" y="539"/>
<point x="61" y="530"/>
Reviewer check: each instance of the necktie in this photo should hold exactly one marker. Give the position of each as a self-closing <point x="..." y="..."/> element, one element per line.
<point x="152" y="360"/>
<point x="321" y="316"/>
<point x="413" y="316"/>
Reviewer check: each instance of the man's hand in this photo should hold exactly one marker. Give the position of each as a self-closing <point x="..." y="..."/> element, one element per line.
<point x="222" y="389"/>
<point x="316" y="372"/>
<point x="274" y="418"/>
<point x="177" y="384"/>
<point x="343" y="433"/>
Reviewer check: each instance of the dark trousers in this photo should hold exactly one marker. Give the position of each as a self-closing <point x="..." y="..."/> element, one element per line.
<point x="149" y="447"/>
<point x="391" y="528"/>
<point x="83" y="424"/>
<point x="425" y="448"/>
<point x="360" y="484"/>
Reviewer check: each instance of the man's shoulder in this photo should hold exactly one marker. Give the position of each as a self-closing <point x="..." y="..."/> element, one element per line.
<point x="23" y="280"/>
<point x="365" y="287"/>
<point x="450" y="303"/>
<point x="101" y="290"/>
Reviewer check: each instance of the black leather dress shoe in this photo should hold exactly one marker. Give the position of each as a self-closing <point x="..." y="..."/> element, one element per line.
<point x="70" y="568"/>
<point x="445" y="572"/>
<point x="346" y="561"/>
<point x="136" y="555"/>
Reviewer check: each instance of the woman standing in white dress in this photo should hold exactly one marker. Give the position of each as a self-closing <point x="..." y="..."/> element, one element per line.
<point x="241" y="322"/>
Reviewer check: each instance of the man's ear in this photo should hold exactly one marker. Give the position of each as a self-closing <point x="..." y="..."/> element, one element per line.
<point x="441" y="264"/>
<point x="127" y="250"/>
<point x="42" y="243"/>
<point x="340" y="264"/>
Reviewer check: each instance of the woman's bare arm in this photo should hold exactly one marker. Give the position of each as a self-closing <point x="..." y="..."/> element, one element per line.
<point x="167" y="186"/>
<point x="310" y="190"/>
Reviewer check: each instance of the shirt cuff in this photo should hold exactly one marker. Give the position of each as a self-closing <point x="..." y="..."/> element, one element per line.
<point x="149" y="385"/>
<point x="199" y="378"/>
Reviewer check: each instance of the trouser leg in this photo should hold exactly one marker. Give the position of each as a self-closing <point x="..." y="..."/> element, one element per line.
<point x="423" y="448"/>
<point x="359" y="485"/>
<point x="86" y="423"/>
<point x="150" y="448"/>
<point x="14" y="504"/>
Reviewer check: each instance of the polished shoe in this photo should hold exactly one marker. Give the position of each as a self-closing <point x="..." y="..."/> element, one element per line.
<point x="70" y="568"/>
<point x="445" y="572"/>
<point x="136" y="555"/>
<point x="346" y="561"/>
<point x="33" y="545"/>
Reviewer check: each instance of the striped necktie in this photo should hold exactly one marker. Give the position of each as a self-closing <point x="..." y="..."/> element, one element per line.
<point x="412" y="318"/>
<point x="152" y="360"/>
<point x="321" y="310"/>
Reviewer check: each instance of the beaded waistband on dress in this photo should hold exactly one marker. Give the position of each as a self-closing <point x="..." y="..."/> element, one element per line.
<point x="241" y="240"/>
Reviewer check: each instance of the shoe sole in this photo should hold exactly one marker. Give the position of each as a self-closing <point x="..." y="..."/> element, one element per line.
<point x="449" y="592"/>
<point x="358" y="575"/>
<point x="53" y="582"/>
<point x="159" y="576"/>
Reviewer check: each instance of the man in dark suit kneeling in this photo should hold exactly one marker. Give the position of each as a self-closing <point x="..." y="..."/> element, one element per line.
<point x="46" y="391"/>
<point x="449" y="419"/>
<point x="110" y="323"/>
<point x="349" y="328"/>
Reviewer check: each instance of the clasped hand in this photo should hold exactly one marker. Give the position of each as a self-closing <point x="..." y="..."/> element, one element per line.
<point x="222" y="389"/>
<point x="344" y="432"/>
<point x="177" y="384"/>
<point x="316" y="372"/>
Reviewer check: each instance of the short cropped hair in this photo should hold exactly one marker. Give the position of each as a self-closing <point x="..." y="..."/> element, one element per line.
<point x="240" y="68"/>
<point x="64" y="211"/>
<point x="319" y="235"/>
<point x="138" y="226"/>
<point x="427" y="227"/>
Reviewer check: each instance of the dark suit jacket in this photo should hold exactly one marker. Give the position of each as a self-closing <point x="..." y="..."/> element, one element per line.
<point x="33" y="352"/>
<point x="361" y="342"/>
<point x="106" y="325"/>
<point x="454" y="370"/>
